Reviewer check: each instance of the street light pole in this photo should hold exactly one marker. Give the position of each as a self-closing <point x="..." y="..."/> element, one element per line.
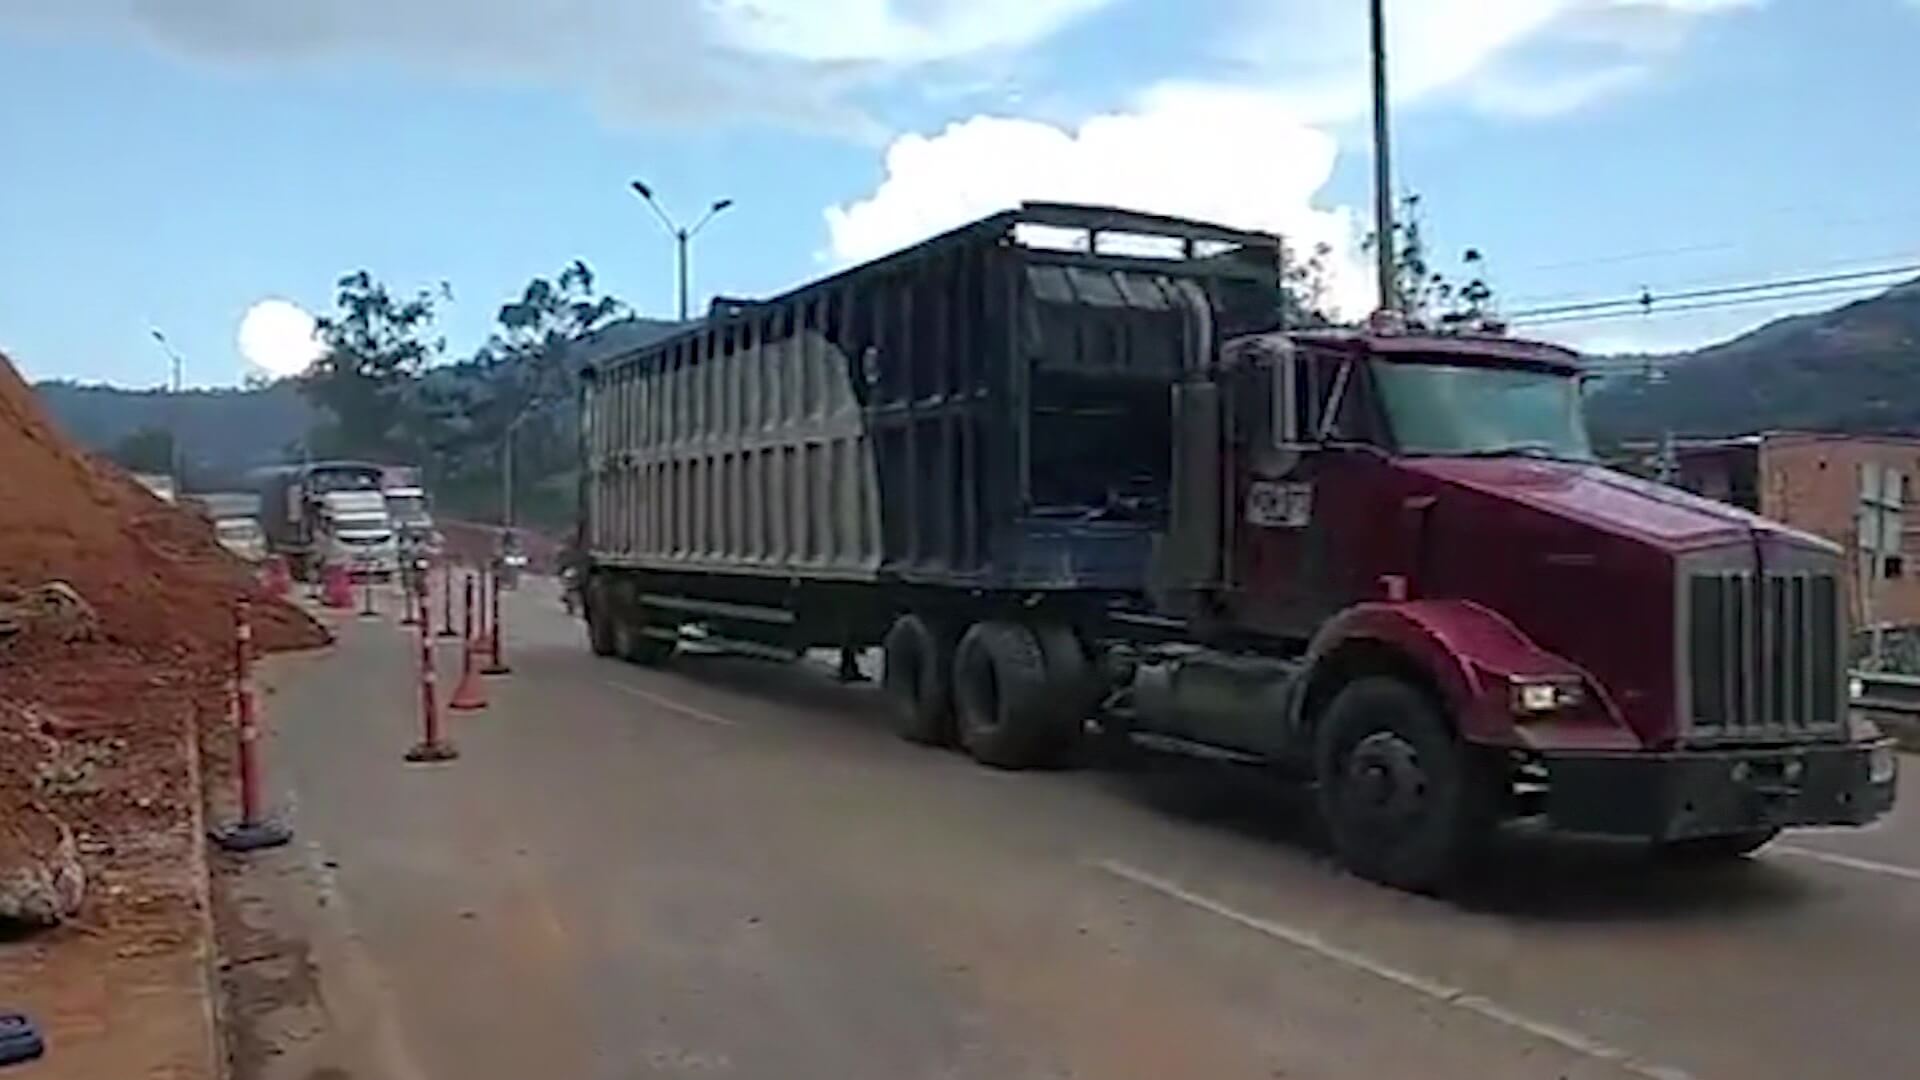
<point x="681" y="236"/>
<point x="177" y="366"/>
<point x="1382" y="166"/>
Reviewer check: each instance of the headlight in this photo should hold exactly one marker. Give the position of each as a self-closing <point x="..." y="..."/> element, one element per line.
<point x="1882" y="765"/>
<point x="1856" y="688"/>
<point x="1534" y="697"/>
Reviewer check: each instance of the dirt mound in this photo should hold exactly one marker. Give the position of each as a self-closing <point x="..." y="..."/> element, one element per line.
<point x="154" y="572"/>
<point x="156" y="595"/>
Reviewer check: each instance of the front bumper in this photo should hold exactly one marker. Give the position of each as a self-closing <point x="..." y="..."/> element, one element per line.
<point x="1688" y="793"/>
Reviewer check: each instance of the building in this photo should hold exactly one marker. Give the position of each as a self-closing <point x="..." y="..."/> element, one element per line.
<point x="1813" y="482"/>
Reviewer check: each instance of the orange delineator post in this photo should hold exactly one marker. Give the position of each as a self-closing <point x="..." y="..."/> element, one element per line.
<point x="446" y="602"/>
<point x="253" y="831"/>
<point x="496" y="663"/>
<point x="471" y="693"/>
<point x="433" y="745"/>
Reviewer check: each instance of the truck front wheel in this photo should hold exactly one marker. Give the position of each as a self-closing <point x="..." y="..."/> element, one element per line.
<point x="1403" y="799"/>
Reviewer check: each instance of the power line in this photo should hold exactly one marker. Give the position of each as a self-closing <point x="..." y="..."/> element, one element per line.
<point x="1704" y="305"/>
<point x="1747" y="240"/>
<point x="1644" y="301"/>
<point x="1531" y="300"/>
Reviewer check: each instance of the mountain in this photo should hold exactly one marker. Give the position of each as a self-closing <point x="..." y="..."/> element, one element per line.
<point x="1854" y="368"/>
<point x="222" y="430"/>
<point x="236" y="429"/>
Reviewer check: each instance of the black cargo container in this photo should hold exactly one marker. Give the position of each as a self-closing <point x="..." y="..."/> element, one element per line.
<point x="985" y="413"/>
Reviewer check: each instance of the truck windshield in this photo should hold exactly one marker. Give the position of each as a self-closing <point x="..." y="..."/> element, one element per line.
<point x="1447" y="410"/>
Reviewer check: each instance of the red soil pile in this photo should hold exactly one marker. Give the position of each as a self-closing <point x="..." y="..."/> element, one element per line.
<point x="165" y="593"/>
<point x="161" y="583"/>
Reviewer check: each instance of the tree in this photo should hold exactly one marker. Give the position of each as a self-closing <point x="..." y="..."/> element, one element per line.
<point x="148" y="450"/>
<point x="519" y="385"/>
<point x="1427" y="295"/>
<point x="1306" y="285"/>
<point x="377" y="346"/>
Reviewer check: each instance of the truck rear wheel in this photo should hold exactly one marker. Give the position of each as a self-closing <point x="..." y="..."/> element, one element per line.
<point x="1404" y="800"/>
<point x="631" y="639"/>
<point x="1006" y="715"/>
<point x="600" y="618"/>
<point x="919" y="664"/>
<point x="1073" y="685"/>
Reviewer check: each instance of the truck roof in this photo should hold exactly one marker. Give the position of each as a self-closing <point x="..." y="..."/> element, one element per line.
<point x="1200" y="250"/>
<point x="1486" y="348"/>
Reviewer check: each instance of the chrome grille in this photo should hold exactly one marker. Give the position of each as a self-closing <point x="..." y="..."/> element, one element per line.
<point x="1762" y="655"/>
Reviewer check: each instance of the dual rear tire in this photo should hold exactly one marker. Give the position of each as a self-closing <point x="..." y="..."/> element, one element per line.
<point x="617" y="628"/>
<point x="1013" y="696"/>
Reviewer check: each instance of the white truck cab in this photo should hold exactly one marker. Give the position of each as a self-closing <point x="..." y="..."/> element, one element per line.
<point x="358" y="533"/>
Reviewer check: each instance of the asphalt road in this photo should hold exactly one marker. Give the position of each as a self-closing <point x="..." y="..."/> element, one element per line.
<point x="724" y="869"/>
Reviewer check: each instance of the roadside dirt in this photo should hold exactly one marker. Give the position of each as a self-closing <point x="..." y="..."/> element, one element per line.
<point x="100" y="757"/>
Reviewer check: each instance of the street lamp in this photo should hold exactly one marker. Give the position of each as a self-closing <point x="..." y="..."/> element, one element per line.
<point x="177" y="365"/>
<point x="680" y="235"/>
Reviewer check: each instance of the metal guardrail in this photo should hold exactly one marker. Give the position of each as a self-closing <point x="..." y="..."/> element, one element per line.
<point x="1885" y="692"/>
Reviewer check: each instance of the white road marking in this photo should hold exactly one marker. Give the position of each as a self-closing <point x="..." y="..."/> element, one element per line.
<point x="1443" y="993"/>
<point x="673" y="706"/>
<point x="1851" y="862"/>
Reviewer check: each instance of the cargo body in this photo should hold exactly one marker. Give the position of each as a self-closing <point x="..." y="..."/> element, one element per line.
<point x="969" y="414"/>
<point x="1069" y="464"/>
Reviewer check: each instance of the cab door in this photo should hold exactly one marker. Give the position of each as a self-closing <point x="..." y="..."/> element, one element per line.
<point x="1316" y="513"/>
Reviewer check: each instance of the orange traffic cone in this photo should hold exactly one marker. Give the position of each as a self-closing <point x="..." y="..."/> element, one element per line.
<point x="275" y="581"/>
<point x="471" y="692"/>
<point x="336" y="588"/>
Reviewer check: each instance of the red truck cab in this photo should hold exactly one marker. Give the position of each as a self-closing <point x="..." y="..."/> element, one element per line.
<point x="1477" y="620"/>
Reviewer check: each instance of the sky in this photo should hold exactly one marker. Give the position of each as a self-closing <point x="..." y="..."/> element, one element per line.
<point x="172" y="166"/>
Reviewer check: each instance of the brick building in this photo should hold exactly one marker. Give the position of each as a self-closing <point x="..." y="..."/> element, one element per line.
<point x="1812" y="481"/>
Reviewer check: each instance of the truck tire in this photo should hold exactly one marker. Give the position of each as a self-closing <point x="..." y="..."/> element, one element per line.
<point x="632" y="641"/>
<point x="600" y="618"/>
<point x="1405" y="801"/>
<point x="1006" y="715"/>
<point x="1073" y="686"/>
<point x="918" y="669"/>
<point x="1707" y="850"/>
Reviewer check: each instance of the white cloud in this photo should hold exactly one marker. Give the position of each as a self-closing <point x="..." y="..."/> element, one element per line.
<point x="1184" y="151"/>
<point x="277" y="336"/>
<point x="674" y="61"/>
<point x="889" y="31"/>
<point x="1524" y="57"/>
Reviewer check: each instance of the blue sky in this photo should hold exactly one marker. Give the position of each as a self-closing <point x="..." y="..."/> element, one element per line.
<point x="172" y="165"/>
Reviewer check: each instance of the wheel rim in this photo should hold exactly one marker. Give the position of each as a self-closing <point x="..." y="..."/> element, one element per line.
<point x="1385" y="790"/>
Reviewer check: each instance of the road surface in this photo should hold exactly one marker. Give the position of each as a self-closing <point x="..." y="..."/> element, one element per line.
<point x="724" y="869"/>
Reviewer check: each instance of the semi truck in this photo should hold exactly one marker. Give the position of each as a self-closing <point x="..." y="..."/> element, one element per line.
<point x="1077" y="470"/>
<point x="294" y="512"/>
<point x="357" y="533"/>
<point x="412" y="514"/>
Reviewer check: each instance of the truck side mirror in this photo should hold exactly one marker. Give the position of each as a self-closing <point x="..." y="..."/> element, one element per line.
<point x="1286" y="397"/>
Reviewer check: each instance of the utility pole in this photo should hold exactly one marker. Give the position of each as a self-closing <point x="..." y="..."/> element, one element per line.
<point x="681" y="236"/>
<point x="527" y="412"/>
<point x="1382" y="166"/>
